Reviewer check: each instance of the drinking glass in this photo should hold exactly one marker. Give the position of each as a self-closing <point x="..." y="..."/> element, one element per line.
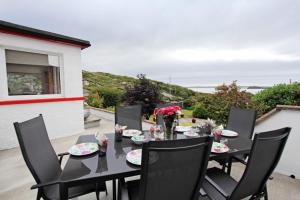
<point x="158" y="132"/>
<point x="118" y="133"/>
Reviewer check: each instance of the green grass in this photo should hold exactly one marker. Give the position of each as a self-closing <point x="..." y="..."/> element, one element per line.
<point x="117" y="82"/>
<point x="111" y="109"/>
<point x="186" y="124"/>
<point x="187" y="113"/>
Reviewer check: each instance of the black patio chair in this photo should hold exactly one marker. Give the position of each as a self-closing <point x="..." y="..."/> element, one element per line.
<point x="130" y="116"/>
<point x="43" y="163"/>
<point x="170" y="170"/>
<point x="266" y="151"/>
<point x="159" y="120"/>
<point x="241" y="121"/>
<point x="162" y="105"/>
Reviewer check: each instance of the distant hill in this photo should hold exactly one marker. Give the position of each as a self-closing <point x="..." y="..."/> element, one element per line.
<point x="107" y="80"/>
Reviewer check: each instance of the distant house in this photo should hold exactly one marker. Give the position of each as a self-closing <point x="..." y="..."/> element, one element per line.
<point x="40" y="73"/>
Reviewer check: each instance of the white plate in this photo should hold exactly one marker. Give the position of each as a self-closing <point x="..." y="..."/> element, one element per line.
<point x="229" y="133"/>
<point x="135" y="157"/>
<point x="183" y="128"/>
<point x="219" y="148"/>
<point x="189" y="134"/>
<point x="83" y="149"/>
<point x="139" y="139"/>
<point x="131" y="132"/>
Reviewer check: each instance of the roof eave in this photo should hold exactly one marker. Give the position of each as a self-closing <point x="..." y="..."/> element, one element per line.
<point x="15" y="29"/>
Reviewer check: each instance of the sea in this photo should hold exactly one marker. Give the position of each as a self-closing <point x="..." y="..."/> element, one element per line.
<point x="250" y="84"/>
<point x="211" y="89"/>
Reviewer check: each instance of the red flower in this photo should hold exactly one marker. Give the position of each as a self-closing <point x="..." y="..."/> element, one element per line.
<point x="166" y="111"/>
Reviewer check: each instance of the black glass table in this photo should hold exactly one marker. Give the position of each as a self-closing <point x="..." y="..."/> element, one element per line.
<point x="113" y="166"/>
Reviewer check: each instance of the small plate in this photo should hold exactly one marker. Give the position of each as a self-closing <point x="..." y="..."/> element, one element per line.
<point x="139" y="139"/>
<point x="189" y="134"/>
<point x="219" y="148"/>
<point x="229" y="133"/>
<point x="131" y="132"/>
<point x="135" y="157"/>
<point x="83" y="149"/>
<point x="183" y="128"/>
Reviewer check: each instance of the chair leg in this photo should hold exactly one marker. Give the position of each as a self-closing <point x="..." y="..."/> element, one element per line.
<point x="223" y="167"/>
<point x="266" y="193"/>
<point x="229" y="164"/>
<point x="97" y="195"/>
<point x="39" y="194"/>
<point x="97" y="191"/>
<point x="254" y="198"/>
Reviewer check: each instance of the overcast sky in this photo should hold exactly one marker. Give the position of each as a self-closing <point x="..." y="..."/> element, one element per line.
<point x="195" y="42"/>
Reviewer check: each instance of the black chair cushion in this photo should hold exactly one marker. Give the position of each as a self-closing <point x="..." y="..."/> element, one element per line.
<point x="223" y="180"/>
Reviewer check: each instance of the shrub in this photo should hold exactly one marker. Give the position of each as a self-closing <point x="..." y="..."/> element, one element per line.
<point x="218" y="105"/>
<point x="93" y="100"/>
<point x="281" y="94"/>
<point x="143" y="92"/>
<point x="200" y="111"/>
<point x="109" y="96"/>
<point x="189" y="102"/>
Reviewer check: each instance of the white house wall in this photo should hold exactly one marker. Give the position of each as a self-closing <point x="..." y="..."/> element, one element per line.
<point x="290" y="160"/>
<point x="61" y="118"/>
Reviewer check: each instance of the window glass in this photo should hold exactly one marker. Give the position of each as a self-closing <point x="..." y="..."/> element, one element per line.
<point x="31" y="74"/>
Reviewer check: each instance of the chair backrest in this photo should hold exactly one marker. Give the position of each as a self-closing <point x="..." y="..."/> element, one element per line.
<point x="265" y="154"/>
<point x="159" y="120"/>
<point x="242" y="121"/>
<point x="174" y="169"/>
<point x="162" y="105"/>
<point x="130" y="116"/>
<point x="37" y="150"/>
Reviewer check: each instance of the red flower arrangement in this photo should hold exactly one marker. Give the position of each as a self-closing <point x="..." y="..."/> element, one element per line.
<point x="167" y="111"/>
<point x="169" y="114"/>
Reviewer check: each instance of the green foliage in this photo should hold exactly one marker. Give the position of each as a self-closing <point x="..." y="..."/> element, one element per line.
<point x="143" y="92"/>
<point x="282" y="94"/>
<point x="216" y="106"/>
<point x="110" y="97"/>
<point x="187" y="113"/>
<point x="101" y="79"/>
<point x="189" y="102"/>
<point x="200" y="111"/>
<point x="93" y="99"/>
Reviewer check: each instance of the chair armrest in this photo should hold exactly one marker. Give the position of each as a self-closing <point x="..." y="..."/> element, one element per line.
<point x="202" y="192"/>
<point x="123" y="191"/>
<point x="61" y="155"/>
<point x="41" y="185"/>
<point x="239" y="160"/>
<point x="217" y="187"/>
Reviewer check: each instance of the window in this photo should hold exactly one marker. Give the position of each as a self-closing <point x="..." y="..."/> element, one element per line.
<point x="32" y="73"/>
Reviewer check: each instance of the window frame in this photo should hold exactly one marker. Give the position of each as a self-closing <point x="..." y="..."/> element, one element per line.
<point x="40" y="96"/>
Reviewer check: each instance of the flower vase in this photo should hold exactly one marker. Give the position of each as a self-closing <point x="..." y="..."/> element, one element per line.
<point x="169" y="125"/>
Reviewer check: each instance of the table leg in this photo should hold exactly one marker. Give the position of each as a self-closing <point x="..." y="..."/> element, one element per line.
<point x="63" y="191"/>
<point x="229" y="166"/>
<point x="114" y="189"/>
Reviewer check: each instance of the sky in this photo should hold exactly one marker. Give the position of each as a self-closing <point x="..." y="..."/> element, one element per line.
<point x="187" y="42"/>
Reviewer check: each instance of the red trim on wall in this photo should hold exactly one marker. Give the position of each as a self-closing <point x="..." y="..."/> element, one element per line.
<point x="46" y="100"/>
<point x="41" y="38"/>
